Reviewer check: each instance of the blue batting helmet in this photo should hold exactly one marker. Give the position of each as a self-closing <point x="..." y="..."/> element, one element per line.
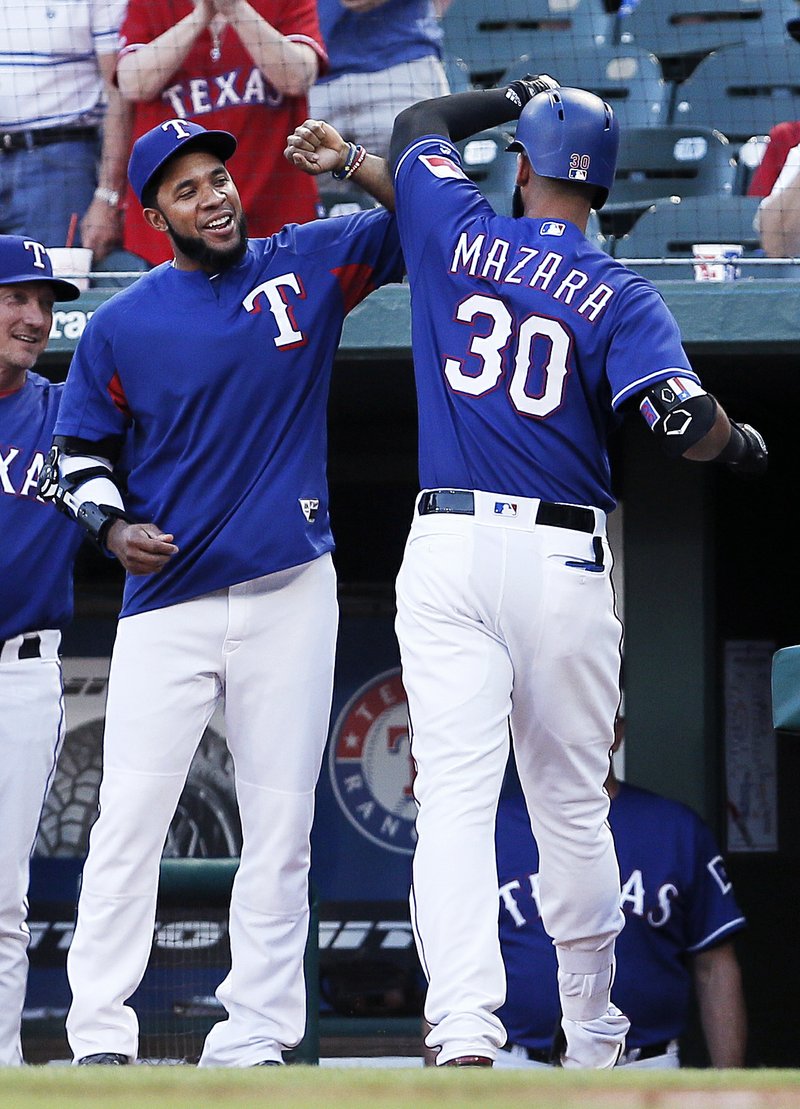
<point x="572" y="135"/>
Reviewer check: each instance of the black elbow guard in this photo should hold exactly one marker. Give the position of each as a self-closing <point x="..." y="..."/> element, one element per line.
<point x="680" y="412"/>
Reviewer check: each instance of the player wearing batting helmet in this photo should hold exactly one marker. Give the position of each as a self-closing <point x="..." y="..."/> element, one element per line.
<point x="37" y="554"/>
<point x="529" y="345"/>
<point x="212" y="374"/>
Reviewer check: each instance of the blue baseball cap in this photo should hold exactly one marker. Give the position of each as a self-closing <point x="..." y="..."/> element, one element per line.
<point x="175" y="136"/>
<point x="23" y="260"/>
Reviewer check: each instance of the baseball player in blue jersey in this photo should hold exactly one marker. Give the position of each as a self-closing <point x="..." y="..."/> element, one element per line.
<point x="680" y="919"/>
<point x="529" y="344"/>
<point x="213" y="371"/>
<point x="37" y="554"/>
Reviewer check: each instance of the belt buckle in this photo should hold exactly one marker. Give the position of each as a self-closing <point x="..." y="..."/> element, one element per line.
<point x="8" y="140"/>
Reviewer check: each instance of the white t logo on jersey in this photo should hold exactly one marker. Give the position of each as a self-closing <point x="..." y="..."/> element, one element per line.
<point x="289" y="335"/>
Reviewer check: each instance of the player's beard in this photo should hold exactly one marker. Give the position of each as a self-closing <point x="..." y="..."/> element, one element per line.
<point x="209" y="257"/>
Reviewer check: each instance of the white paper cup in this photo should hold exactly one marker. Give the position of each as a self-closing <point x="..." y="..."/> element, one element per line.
<point x="716" y="261"/>
<point x="72" y="262"/>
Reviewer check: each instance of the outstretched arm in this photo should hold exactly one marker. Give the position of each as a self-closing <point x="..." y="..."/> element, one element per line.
<point x="690" y="423"/>
<point x="465" y="113"/>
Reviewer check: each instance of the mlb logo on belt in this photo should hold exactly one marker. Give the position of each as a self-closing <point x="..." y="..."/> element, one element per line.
<point x="504" y="508"/>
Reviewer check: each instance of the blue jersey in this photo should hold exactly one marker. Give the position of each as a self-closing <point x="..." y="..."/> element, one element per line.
<point x="220" y="387"/>
<point x="37" y="544"/>
<point x="526" y="338"/>
<point x="367" y="42"/>
<point x="676" y="898"/>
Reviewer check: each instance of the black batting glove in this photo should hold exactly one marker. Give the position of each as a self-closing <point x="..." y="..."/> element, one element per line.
<point x="746" y="452"/>
<point x="521" y="91"/>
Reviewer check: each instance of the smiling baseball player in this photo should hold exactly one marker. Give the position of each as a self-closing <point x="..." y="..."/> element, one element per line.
<point x="37" y="553"/>
<point x="529" y="344"/>
<point x="213" y="371"/>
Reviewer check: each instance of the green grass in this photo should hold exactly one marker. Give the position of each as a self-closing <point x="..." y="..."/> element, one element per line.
<point x="329" y="1088"/>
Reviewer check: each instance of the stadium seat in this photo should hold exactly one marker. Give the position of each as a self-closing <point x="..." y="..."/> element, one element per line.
<point x="118" y="269"/>
<point x="487" y="35"/>
<point x="627" y="77"/>
<point x="657" y="162"/>
<point x="743" y="92"/>
<point x="670" y="228"/>
<point x="675" y="28"/>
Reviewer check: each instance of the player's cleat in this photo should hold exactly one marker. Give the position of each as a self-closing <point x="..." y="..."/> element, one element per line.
<point x="268" y="1063"/>
<point x="104" y="1059"/>
<point x="469" y="1061"/>
<point x="595" y="1044"/>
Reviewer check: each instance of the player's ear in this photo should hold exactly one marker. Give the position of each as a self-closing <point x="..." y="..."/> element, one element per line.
<point x="523" y="174"/>
<point x="154" y="218"/>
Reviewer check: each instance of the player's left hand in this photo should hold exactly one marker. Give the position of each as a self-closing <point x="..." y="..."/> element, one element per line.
<point x="141" y="548"/>
<point x="754" y="457"/>
<point x="523" y="90"/>
<point x="316" y="147"/>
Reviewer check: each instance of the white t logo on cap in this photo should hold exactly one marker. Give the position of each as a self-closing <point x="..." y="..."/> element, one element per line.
<point x="178" y="127"/>
<point x="39" y="252"/>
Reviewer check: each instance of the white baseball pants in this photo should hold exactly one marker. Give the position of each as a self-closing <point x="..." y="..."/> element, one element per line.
<point x="267" y="647"/>
<point x="493" y="625"/>
<point x="31" y="732"/>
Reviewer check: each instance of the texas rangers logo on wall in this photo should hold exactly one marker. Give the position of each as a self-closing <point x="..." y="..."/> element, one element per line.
<point x="370" y="764"/>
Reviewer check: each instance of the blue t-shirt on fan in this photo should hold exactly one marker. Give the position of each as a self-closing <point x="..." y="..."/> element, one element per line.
<point x="367" y="42"/>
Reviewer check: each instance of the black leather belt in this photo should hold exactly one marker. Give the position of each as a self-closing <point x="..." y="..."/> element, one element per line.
<point x="31" y="647"/>
<point x="43" y="136"/>
<point x="461" y="502"/>
<point x="545" y="1055"/>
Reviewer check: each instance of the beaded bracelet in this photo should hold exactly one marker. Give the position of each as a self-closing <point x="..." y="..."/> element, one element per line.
<point x="352" y="163"/>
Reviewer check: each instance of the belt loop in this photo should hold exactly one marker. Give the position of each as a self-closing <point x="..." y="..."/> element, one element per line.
<point x="30" y="647"/>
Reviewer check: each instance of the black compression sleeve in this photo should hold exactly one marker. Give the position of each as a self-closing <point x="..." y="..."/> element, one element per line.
<point x="455" y="117"/>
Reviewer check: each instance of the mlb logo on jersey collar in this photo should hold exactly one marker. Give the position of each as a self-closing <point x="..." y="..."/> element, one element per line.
<point x="550" y="227"/>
